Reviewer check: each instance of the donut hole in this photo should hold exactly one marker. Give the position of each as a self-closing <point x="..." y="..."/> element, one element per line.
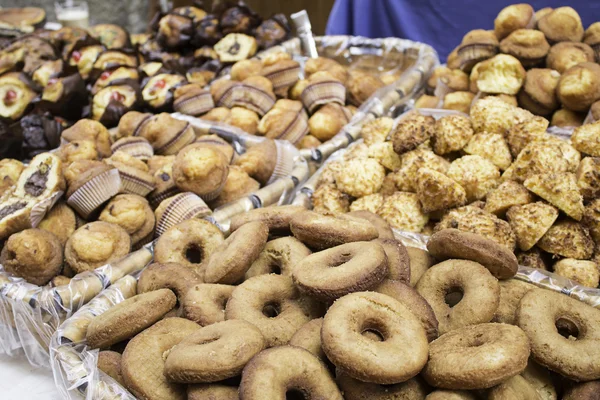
<point x="567" y="328"/>
<point x="193" y="254"/>
<point x="274" y="267"/>
<point x="453" y="296"/>
<point x="374" y="330"/>
<point x="373" y="334"/>
<point x="271" y="310"/>
<point x="340" y="259"/>
<point x="295" y="394"/>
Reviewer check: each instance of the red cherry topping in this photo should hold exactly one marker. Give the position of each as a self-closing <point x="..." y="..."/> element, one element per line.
<point x="116" y="96"/>
<point x="160" y="84"/>
<point x="76" y="56"/>
<point x="52" y="81"/>
<point x="105" y="75"/>
<point x="10" y="97"/>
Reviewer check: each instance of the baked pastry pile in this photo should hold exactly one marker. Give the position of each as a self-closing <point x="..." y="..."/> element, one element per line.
<point x="496" y="173"/>
<point x="296" y="303"/>
<point x="544" y="62"/>
<point x="50" y="79"/>
<point x="100" y="195"/>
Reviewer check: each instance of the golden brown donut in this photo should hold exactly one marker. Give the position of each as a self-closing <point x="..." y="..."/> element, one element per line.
<point x="583" y="391"/>
<point x="551" y="321"/>
<point x="579" y="86"/>
<point x="276" y="218"/>
<point x="205" y="303"/>
<point x="384" y="229"/>
<point x="230" y="262"/>
<point x="353" y="389"/>
<point x="190" y="243"/>
<point x="515" y="388"/>
<point x="565" y="55"/>
<point x="129" y="318"/>
<point x="284" y="372"/>
<point x="143" y="359"/>
<point x="476" y="357"/>
<point x="309" y="337"/>
<point x="452" y="243"/>
<point x="513" y="17"/>
<point x="335" y="272"/>
<point x="35" y="255"/>
<point x="324" y="231"/>
<point x="511" y="293"/>
<point x="414" y="302"/>
<point x="274" y="305"/>
<point x="279" y="257"/>
<point x="179" y="278"/>
<point x="420" y="261"/>
<point x="109" y="362"/>
<point x="212" y="391"/>
<point x="479" y="289"/>
<point x="400" y="355"/>
<point x="450" y="395"/>
<point x="214" y="353"/>
<point x="562" y="24"/>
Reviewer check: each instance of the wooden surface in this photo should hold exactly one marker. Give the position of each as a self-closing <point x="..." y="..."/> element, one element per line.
<point x="318" y="10"/>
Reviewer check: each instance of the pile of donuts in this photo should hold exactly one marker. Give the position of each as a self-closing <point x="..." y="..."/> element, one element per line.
<point x="296" y="304"/>
<point x="544" y="61"/>
<point x="496" y="172"/>
<point x="50" y="79"/>
<point x="102" y="194"/>
<point x="329" y="93"/>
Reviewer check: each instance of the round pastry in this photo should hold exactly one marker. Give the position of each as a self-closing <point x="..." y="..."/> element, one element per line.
<point x="137" y="147"/>
<point x="217" y="143"/>
<point x="233" y="258"/>
<point x="459" y="101"/>
<point x="274" y="305"/>
<point x="398" y="261"/>
<point x="427" y="101"/>
<point x="592" y="38"/>
<point x="354" y="389"/>
<point x="166" y="134"/>
<point x="563" y="332"/>
<point x="246" y="68"/>
<point x="135" y="178"/>
<point x="562" y="24"/>
<point x="129" y="318"/>
<point x="502" y="73"/>
<point x="477" y="357"/>
<point x="335" y="69"/>
<point x="358" y="266"/>
<point x="165" y="185"/>
<point x="527" y="45"/>
<point x="579" y="86"/>
<point x="587" y="390"/>
<point x="398" y="355"/>
<point x="565" y="55"/>
<point x="361" y="86"/>
<point x="511" y="293"/>
<point x="205" y="303"/>
<point x="322" y="89"/>
<point x="60" y="221"/>
<point x="192" y="99"/>
<point x="283" y="73"/>
<point x="78" y="150"/>
<point x="214" y="353"/>
<point x="309" y="337"/>
<point x="478" y="293"/>
<point x="420" y="261"/>
<point x="33" y="254"/>
<point x="279" y="256"/>
<point x="96" y="244"/>
<point x="132" y="124"/>
<point x="286" y="120"/>
<point x="512" y="18"/>
<point x="384" y="229"/>
<point x="87" y="129"/>
<point x="450" y="79"/>
<point x="476" y="46"/>
<point x="133" y="214"/>
<point x="175" y="277"/>
<point x="190" y="243"/>
<point x="567" y="118"/>
<point x="277" y="218"/>
<point x="214" y="391"/>
<point x="246" y="120"/>
<point x="264" y="161"/>
<point x="287" y="370"/>
<point x="538" y="94"/>
<point x="238" y="184"/>
<point x="202" y="170"/>
<point x="328" y="121"/>
<point x="10" y="170"/>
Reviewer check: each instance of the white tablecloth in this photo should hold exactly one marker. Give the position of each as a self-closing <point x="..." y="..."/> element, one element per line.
<point x="19" y="380"/>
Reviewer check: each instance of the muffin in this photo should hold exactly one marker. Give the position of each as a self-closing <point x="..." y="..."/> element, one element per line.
<point x="477" y="45"/>
<point x="501" y="74"/>
<point x="527" y="45"/>
<point x="132" y="124"/>
<point x="567" y="118"/>
<point x="246" y="120"/>
<point x="565" y="55"/>
<point x="137" y="147"/>
<point x="562" y="24"/>
<point x="166" y="134"/>
<point x="135" y="178"/>
<point x="458" y="101"/>
<point x="96" y="244"/>
<point x="513" y="17"/>
<point x="579" y="86"/>
<point x="60" y="221"/>
<point x="202" y="170"/>
<point x="10" y="170"/>
<point x="287" y="120"/>
<point x="87" y="129"/>
<point x="335" y="69"/>
<point x="78" y="150"/>
<point x="133" y="214"/>
<point x="361" y="86"/>
<point x="192" y="99"/>
<point x="259" y="161"/>
<point x="322" y="89"/>
<point x="538" y="94"/>
<point x="427" y="101"/>
<point x="592" y="38"/>
<point x="238" y="184"/>
<point x="328" y="121"/>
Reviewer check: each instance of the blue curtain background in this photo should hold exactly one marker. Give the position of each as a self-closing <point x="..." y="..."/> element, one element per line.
<point x="440" y="23"/>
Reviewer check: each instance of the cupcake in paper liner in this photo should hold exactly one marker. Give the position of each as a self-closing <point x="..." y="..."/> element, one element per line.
<point x="283" y="72"/>
<point x="164" y="184"/>
<point x="135" y="178"/>
<point x="287" y="120"/>
<point x="239" y="184"/>
<point x="137" y="147"/>
<point x="132" y="213"/>
<point x="87" y="129"/>
<point x="254" y="93"/>
<point x="41" y="178"/>
<point x="477" y="45"/>
<point x="132" y="124"/>
<point x="322" y="88"/>
<point x="266" y="161"/>
<point x="193" y="100"/>
<point x="218" y="143"/>
<point x="90" y="185"/>
<point x="14" y="216"/>
<point x="41" y="208"/>
<point x="179" y="208"/>
<point x="202" y="170"/>
<point x="592" y="39"/>
<point x="167" y="135"/>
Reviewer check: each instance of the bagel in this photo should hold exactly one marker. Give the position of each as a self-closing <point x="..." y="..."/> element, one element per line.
<point x="382" y="226"/>
<point x="205" y="303"/>
<point x="279" y="257"/>
<point x="353" y="389"/>
<point x="480" y="293"/>
<point x="274" y="305"/>
<point x="335" y="272"/>
<point x="564" y="333"/>
<point x="172" y="276"/>
<point x="414" y="302"/>
<point x="188" y="243"/>
<point x="233" y="258"/>
<point x="476" y="357"/>
<point x="213" y="353"/>
<point x="324" y="231"/>
<point x="399" y="356"/>
<point x="452" y="243"/>
<point x="276" y="218"/>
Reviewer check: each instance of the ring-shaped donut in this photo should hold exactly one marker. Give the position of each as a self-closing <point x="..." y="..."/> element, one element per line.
<point x="335" y="272"/>
<point x="309" y="337"/>
<point x="189" y="243"/>
<point x="476" y="357"/>
<point x="583" y="391"/>
<point x="320" y="232"/>
<point x="480" y="293"/>
<point x="398" y="357"/>
<point x="545" y="317"/>
<point x="216" y="391"/>
<point x="205" y="303"/>
<point x="282" y="372"/>
<point x="384" y="229"/>
<point x="231" y="260"/>
<point x="398" y="259"/>
<point x="450" y="395"/>
<point x="172" y="276"/>
<point x="213" y="353"/>
<point x="276" y="218"/>
<point x="279" y="257"/>
<point x="274" y="305"/>
<point x="353" y="389"/>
